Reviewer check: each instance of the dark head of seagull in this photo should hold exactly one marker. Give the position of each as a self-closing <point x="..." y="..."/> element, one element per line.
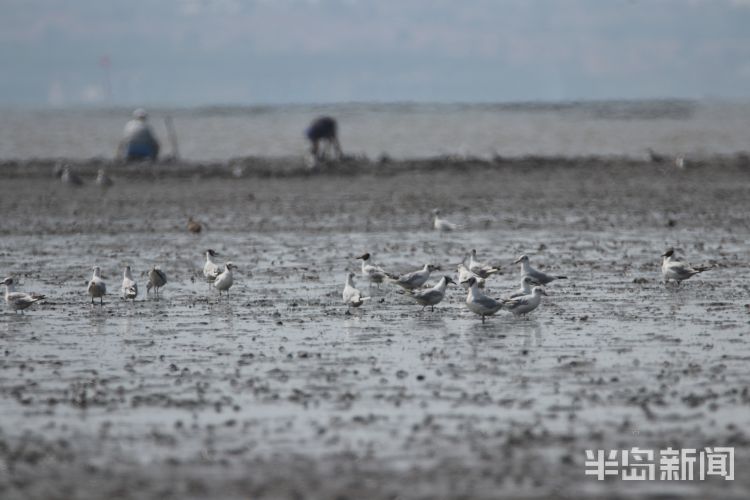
<point x="449" y="280"/>
<point x="431" y="267"/>
<point x="230" y="265"/>
<point x="364" y="256"/>
<point x="469" y="281"/>
<point x="212" y="252"/>
<point x="668" y="252"/>
<point x="436" y="211"/>
<point x="522" y="258"/>
<point x="537" y="290"/>
<point x="7" y="281"/>
<point x="530" y="281"/>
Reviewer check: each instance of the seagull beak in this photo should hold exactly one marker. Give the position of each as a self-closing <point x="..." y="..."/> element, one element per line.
<point x="544" y="293"/>
<point x="517" y="261"/>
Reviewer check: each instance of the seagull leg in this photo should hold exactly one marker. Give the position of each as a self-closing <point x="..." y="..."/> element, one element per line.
<point x="482" y="318"/>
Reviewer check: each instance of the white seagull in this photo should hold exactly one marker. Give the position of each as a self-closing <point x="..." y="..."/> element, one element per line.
<point x="527" y="282"/>
<point x="464" y="274"/>
<point x="352" y="297"/>
<point x="69" y="177"/>
<point x="480" y="269"/>
<point x="18" y="301"/>
<point x="538" y="276"/>
<point x="432" y="296"/>
<point x="440" y="224"/>
<point x="413" y="280"/>
<point x="156" y="280"/>
<point x="102" y="179"/>
<point x="97" y="288"/>
<point x="674" y="270"/>
<point x="129" y="286"/>
<point x="373" y="273"/>
<point x="526" y="303"/>
<point x="211" y="269"/>
<point x="224" y="281"/>
<point x="479" y="303"/>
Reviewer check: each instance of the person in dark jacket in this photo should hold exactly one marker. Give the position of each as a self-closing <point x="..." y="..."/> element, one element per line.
<point x="138" y="142"/>
<point x="322" y="134"/>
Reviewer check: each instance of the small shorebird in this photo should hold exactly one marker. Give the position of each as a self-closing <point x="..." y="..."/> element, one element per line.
<point x="194" y="226"/>
<point x="432" y="296"/>
<point x="211" y="269"/>
<point x="440" y="224"/>
<point x="372" y="272"/>
<point x="526" y="303"/>
<point x="102" y="179"/>
<point x="413" y="280"/>
<point x="223" y="282"/>
<point x="129" y="286"/>
<point x="352" y="297"/>
<point x="464" y="274"/>
<point x="156" y="280"/>
<point x="527" y="282"/>
<point x="479" y="303"/>
<point x="674" y="270"/>
<point x="18" y="301"/>
<point x="97" y="288"/>
<point x="480" y="269"/>
<point x="69" y="177"/>
<point x="538" y="276"/>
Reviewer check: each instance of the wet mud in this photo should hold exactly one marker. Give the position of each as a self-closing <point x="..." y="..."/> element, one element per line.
<point x="277" y="392"/>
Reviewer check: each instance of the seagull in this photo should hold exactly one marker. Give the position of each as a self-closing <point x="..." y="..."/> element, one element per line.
<point x="156" y="279"/>
<point x="69" y="177"/>
<point x="432" y="296"/>
<point x="224" y="281"/>
<point x="372" y="272"/>
<point x="677" y="271"/>
<point x="129" y="286"/>
<point x="18" y="301"/>
<point x="480" y="269"/>
<point x="97" y="288"/>
<point x="413" y="280"/>
<point x="479" y="303"/>
<point x="526" y="303"/>
<point x="440" y="224"/>
<point x="211" y="269"/>
<point x="352" y="297"/>
<point x="527" y="282"/>
<point x="538" y="276"/>
<point x="102" y="179"/>
<point x="464" y="274"/>
<point x="194" y="226"/>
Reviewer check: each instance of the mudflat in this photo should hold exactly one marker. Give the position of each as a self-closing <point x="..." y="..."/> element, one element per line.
<point x="276" y="391"/>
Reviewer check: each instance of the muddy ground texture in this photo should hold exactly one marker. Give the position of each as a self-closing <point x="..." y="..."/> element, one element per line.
<point x="276" y="392"/>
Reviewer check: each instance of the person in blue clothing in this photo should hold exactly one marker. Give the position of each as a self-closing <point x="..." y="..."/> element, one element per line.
<point x="138" y="142"/>
<point x="323" y="136"/>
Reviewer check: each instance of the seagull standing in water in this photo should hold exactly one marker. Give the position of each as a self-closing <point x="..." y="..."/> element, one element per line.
<point x="440" y="224"/>
<point x="156" y="280"/>
<point x="18" y="301"/>
<point x="479" y="303"/>
<point x="413" y="280"/>
<point x="432" y="296"/>
<point x="480" y="269"/>
<point x="352" y="297"/>
<point x="526" y="303"/>
<point x="69" y="177"/>
<point x="97" y="288"/>
<point x="373" y="273"/>
<point x="211" y="269"/>
<point x="102" y="179"/>
<point x="674" y="270"/>
<point x="129" y="286"/>
<point x="225" y="280"/>
<point x="538" y="276"/>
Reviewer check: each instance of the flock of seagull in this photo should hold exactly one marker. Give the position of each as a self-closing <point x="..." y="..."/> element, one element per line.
<point x="472" y="275"/>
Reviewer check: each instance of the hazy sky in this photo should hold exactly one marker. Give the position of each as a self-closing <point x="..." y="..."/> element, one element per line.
<point x="197" y="52"/>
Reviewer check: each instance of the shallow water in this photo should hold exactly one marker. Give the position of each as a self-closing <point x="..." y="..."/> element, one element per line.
<point x="687" y="128"/>
<point x="277" y="380"/>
